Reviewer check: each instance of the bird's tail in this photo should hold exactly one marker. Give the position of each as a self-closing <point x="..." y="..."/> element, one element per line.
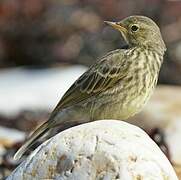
<point x="32" y="139"/>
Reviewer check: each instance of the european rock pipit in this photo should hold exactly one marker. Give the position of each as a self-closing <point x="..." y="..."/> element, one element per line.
<point x="117" y="86"/>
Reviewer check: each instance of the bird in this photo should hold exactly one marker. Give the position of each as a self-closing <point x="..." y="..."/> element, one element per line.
<point x="116" y="86"/>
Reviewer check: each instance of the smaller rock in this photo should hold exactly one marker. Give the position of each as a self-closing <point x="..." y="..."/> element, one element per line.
<point x="106" y="149"/>
<point x="8" y="139"/>
<point x="10" y="136"/>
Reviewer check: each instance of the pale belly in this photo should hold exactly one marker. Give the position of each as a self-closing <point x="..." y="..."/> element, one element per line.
<point x="116" y="108"/>
<point x="118" y="111"/>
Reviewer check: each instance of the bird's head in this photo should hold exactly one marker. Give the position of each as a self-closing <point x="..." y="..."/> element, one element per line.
<point x="139" y="30"/>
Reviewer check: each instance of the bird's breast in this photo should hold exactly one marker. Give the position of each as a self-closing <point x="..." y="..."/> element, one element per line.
<point x="130" y="94"/>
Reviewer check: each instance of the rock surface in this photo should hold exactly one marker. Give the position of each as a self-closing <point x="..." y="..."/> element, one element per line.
<point x="106" y="149"/>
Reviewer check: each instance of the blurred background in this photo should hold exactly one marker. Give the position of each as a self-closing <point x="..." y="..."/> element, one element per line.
<point x="46" y="44"/>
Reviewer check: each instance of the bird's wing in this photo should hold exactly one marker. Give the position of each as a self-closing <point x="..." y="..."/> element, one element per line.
<point x="100" y="76"/>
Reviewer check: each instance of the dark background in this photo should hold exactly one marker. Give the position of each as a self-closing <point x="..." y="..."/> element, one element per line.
<point x="45" y="33"/>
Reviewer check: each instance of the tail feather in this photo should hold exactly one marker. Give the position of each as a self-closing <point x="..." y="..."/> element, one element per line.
<point x="32" y="139"/>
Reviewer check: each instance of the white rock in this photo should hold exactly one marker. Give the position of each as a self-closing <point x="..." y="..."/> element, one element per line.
<point x="10" y="136"/>
<point x="164" y="111"/>
<point x="105" y="150"/>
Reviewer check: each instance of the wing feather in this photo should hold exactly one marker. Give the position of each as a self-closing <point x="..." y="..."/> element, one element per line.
<point x="101" y="76"/>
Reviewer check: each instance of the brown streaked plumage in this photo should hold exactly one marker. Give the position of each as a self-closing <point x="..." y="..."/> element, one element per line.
<point x="117" y="86"/>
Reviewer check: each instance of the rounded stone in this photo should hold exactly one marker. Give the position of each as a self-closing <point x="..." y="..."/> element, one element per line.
<point x="100" y="150"/>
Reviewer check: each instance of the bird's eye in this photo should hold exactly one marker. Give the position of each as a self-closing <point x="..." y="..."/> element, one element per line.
<point x="134" y="28"/>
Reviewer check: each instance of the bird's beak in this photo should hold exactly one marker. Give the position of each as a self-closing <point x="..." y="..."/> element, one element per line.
<point x="117" y="26"/>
